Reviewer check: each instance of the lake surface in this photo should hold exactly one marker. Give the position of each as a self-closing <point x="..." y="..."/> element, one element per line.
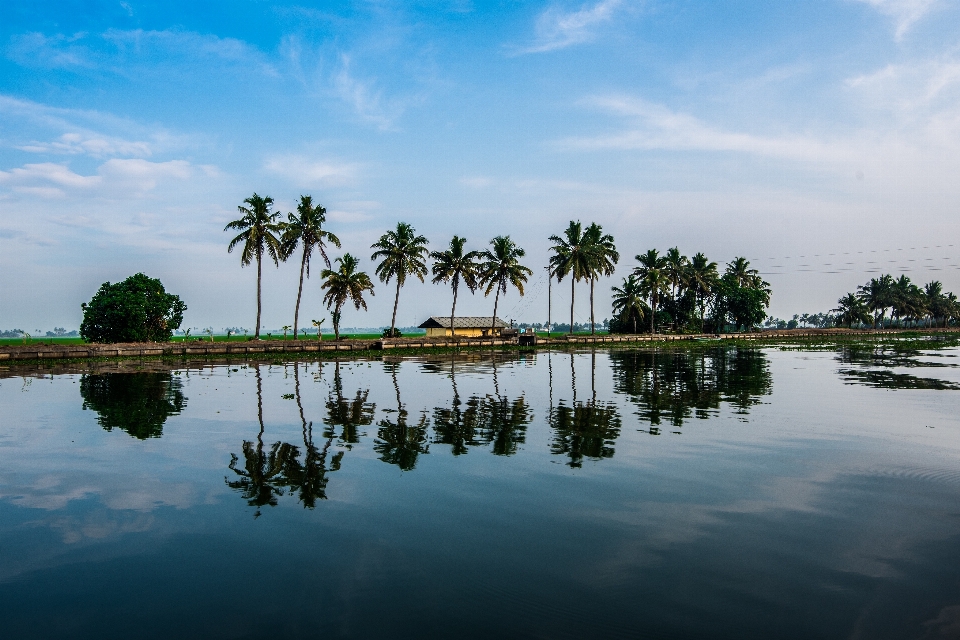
<point x="707" y="493"/>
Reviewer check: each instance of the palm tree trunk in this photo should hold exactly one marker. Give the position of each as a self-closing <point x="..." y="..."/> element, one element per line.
<point x="256" y="335"/>
<point x="296" y="312"/>
<point x="572" y="294"/>
<point x="653" y="311"/>
<point x="592" y="323"/>
<point x="396" y="301"/>
<point x="336" y="325"/>
<point x="453" y="309"/>
<point x="493" y="321"/>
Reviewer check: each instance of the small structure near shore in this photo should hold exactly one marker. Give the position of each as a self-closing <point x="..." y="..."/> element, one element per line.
<point x="465" y="326"/>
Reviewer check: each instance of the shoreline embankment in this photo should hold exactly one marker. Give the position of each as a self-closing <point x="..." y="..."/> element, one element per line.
<point x="260" y="348"/>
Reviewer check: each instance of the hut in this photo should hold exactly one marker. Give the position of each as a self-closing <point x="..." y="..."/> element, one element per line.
<point x="465" y="326"/>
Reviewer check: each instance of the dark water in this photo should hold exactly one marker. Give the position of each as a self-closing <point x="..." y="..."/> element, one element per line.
<point x="715" y="493"/>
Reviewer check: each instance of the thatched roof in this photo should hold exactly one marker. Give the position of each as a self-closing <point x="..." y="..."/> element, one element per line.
<point x="463" y="322"/>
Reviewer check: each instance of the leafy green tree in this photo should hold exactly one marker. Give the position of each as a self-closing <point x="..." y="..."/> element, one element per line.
<point x="453" y="265"/>
<point x="628" y="303"/>
<point x="138" y="403"/>
<point x="652" y="274"/>
<point x="136" y="310"/>
<point x="501" y="267"/>
<point x="345" y="284"/>
<point x="401" y="253"/>
<point x="306" y="227"/>
<point x="571" y="256"/>
<point x="851" y="310"/>
<point x="908" y="300"/>
<point x="603" y="260"/>
<point x="259" y="235"/>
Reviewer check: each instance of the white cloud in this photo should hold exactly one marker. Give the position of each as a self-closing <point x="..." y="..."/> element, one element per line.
<point x="365" y="100"/>
<point x="905" y="13"/>
<point x="91" y="144"/>
<point x="115" y="177"/>
<point x="306" y="172"/>
<point x="558" y="29"/>
<point x="656" y="127"/>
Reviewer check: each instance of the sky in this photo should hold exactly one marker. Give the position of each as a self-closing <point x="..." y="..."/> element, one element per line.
<point x="820" y="139"/>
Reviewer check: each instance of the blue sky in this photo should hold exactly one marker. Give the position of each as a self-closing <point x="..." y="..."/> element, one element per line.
<point x="819" y="139"/>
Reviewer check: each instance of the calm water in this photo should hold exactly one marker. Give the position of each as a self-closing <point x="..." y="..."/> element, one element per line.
<point x="719" y="493"/>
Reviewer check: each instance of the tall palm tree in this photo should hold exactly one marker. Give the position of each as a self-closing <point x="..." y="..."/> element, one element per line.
<point x="571" y="256"/>
<point x="603" y="260"/>
<point x="933" y="295"/>
<point x="501" y="267"/>
<point x="345" y="284"/>
<point x="850" y="310"/>
<point x="877" y="294"/>
<point x="628" y="301"/>
<point x="676" y="268"/>
<point x="652" y="273"/>
<point x="401" y="253"/>
<point x="453" y="265"/>
<point x="744" y="276"/>
<point x="259" y="231"/>
<point x="306" y="226"/>
<point x="702" y="278"/>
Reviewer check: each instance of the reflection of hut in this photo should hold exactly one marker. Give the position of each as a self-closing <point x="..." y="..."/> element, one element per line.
<point x="466" y="326"/>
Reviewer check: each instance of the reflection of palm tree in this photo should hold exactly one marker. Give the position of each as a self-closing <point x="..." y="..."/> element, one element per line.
<point x="398" y="442"/>
<point x="585" y="430"/>
<point x="261" y="479"/>
<point x="675" y="386"/>
<point x="501" y="422"/>
<point x="454" y="426"/>
<point x="310" y="478"/>
<point x="347" y="414"/>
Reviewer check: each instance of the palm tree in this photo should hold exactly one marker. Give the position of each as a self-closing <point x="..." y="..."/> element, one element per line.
<point x="306" y="226"/>
<point x="603" y="259"/>
<point x="877" y="295"/>
<point x="258" y="232"/>
<point x="652" y="273"/>
<point x="743" y="275"/>
<point x="501" y="267"/>
<point x="401" y="253"/>
<point x="453" y="265"/>
<point x="628" y="301"/>
<point x="676" y="267"/>
<point x="702" y="277"/>
<point x="934" y="300"/>
<point x="344" y="284"/>
<point x="851" y="309"/>
<point x="571" y="256"/>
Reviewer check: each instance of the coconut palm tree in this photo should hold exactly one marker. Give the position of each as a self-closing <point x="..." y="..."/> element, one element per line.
<point x="344" y="284"/>
<point x="306" y="227"/>
<point x="850" y="310"/>
<point x="401" y="253"/>
<point x="259" y="231"/>
<point x="702" y="278"/>
<point x="453" y="265"/>
<point x="603" y="260"/>
<point x="652" y="273"/>
<point x="877" y="294"/>
<point x="571" y="256"/>
<point x="934" y="300"/>
<point x="676" y="268"/>
<point x="743" y="275"/>
<point x="501" y="267"/>
<point x="628" y="301"/>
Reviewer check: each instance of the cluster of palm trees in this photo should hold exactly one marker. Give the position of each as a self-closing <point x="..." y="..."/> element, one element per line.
<point x="672" y="288"/>
<point x="906" y="302"/>
<point x="400" y="254"/>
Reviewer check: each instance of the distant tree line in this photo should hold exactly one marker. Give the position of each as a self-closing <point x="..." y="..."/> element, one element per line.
<point x="908" y="304"/>
<point x="689" y="295"/>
